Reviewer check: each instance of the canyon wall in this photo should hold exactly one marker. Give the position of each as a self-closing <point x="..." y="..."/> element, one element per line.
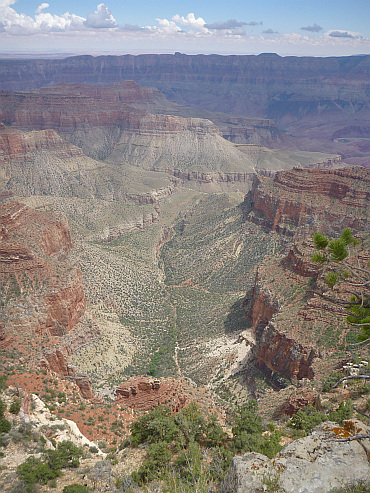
<point x="276" y="351"/>
<point x="42" y="291"/>
<point x="298" y="202"/>
<point x="238" y="84"/>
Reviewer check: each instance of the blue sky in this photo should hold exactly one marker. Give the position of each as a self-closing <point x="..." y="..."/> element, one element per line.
<point x="300" y="27"/>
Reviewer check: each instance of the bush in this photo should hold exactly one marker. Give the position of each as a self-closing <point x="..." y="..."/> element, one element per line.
<point x="344" y="411"/>
<point x="158" y="458"/>
<point x="76" y="488"/>
<point x="5" y="426"/>
<point x="157" y="425"/>
<point x="15" y="406"/>
<point x="2" y="408"/>
<point x="34" y="471"/>
<point x="332" y="379"/>
<point x="306" y="419"/>
<point x="41" y="471"/>
<point x="3" y="384"/>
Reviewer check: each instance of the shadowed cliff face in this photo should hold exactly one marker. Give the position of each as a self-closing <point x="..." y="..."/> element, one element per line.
<point x="294" y="328"/>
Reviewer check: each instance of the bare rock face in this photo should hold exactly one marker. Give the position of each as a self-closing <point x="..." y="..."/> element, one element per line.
<point x="43" y="292"/>
<point x="115" y="121"/>
<point x="314" y="464"/>
<point x="145" y="394"/>
<point x="275" y="350"/>
<point x="300" y="201"/>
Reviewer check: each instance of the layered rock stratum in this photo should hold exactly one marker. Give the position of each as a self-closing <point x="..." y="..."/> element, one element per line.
<point x="42" y="292"/>
<point x="301" y="201"/>
<point x="311" y="98"/>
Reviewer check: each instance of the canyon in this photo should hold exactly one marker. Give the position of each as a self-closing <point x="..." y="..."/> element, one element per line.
<point x="312" y="99"/>
<point x="156" y="240"/>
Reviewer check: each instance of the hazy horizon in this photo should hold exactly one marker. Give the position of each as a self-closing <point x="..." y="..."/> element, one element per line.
<point x="66" y="28"/>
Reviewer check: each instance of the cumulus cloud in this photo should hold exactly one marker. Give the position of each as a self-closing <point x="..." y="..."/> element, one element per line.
<point x="166" y="27"/>
<point x="341" y="34"/>
<point x="44" y="22"/>
<point x="101" y="18"/>
<point x="315" y="28"/>
<point x="195" y="24"/>
<point x="269" y="31"/>
<point x="41" y="7"/>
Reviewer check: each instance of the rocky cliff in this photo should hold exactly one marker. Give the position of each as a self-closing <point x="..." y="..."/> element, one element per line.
<point x="243" y="84"/>
<point x="113" y="121"/>
<point x="42" y="292"/>
<point x="311" y="98"/>
<point x="297" y="202"/>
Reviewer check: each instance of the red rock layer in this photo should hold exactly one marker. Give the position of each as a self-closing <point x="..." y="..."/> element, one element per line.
<point x="300" y="201"/>
<point x="18" y="146"/>
<point x="65" y="108"/>
<point x="275" y="350"/>
<point x="145" y="394"/>
<point x="43" y="289"/>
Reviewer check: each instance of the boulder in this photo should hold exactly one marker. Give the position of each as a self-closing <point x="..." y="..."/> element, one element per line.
<point x="313" y="464"/>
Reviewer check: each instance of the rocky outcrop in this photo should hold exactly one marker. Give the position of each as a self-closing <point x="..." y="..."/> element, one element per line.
<point x="317" y="463"/>
<point x="42" y="289"/>
<point x="299" y="262"/>
<point x="298" y="202"/>
<point x="145" y="394"/>
<point x="211" y="177"/>
<point x="277" y="351"/>
<point x="282" y="354"/>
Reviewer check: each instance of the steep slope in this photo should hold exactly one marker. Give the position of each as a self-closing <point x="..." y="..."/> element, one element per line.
<point x="311" y="98"/>
<point x="103" y="120"/>
<point x="301" y="201"/>
<point x="298" y="334"/>
<point x="42" y="163"/>
<point x="42" y="292"/>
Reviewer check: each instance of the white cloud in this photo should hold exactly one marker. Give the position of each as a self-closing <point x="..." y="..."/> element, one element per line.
<point x="166" y="27"/>
<point x="197" y="25"/>
<point x="41" y="7"/>
<point x="44" y="22"/>
<point x="101" y="18"/>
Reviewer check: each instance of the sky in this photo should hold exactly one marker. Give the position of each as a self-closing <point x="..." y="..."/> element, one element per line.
<point x="285" y="27"/>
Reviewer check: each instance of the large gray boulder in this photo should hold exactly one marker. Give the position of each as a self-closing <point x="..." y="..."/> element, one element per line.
<point x="313" y="464"/>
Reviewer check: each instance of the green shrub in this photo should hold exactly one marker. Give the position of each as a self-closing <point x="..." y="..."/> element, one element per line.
<point x="76" y="488"/>
<point x="3" y="384"/>
<point x="34" y="471"/>
<point x="332" y="379"/>
<point x="152" y="468"/>
<point x="5" y="426"/>
<point x="306" y="419"/>
<point x="2" y="408"/>
<point x="41" y="471"/>
<point x="15" y="406"/>
<point x="157" y="425"/>
<point x="344" y="411"/>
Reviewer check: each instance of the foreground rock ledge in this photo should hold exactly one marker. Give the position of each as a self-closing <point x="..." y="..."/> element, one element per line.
<point x="313" y="464"/>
